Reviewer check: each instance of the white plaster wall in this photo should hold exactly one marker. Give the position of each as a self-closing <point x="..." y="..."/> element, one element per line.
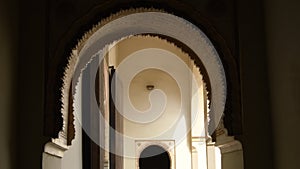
<point x="195" y="159"/>
<point x="176" y="117"/>
<point x="166" y="127"/>
<point x="51" y="161"/>
<point x="211" y="154"/>
<point x="198" y="105"/>
<point x="73" y="156"/>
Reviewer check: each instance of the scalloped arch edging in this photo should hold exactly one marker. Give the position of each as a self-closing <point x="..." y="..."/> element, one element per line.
<point x="142" y="21"/>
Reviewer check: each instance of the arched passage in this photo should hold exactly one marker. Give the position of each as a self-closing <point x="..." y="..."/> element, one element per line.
<point x="154" y="157"/>
<point x="95" y="45"/>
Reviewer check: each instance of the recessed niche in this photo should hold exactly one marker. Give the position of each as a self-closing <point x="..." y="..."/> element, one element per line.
<point x="160" y="152"/>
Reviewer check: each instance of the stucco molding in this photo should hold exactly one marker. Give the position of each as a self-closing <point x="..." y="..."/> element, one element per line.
<point x="142" y="21"/>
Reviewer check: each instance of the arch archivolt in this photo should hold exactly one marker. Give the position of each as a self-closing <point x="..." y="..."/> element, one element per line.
<point x="134" y="22"/>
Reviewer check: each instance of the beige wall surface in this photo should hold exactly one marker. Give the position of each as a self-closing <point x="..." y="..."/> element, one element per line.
<point x="177" y="92"/>
<point x="232" y="160"/>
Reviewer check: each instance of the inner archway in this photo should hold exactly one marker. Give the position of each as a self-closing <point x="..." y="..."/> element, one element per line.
<point x="98" y="45"/>
<point x="154" y="157"/>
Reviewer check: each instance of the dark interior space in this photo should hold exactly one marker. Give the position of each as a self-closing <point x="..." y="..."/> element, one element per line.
<point x="154" y="157"/>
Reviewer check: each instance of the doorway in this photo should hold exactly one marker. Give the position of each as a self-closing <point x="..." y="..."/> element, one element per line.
<point x="154" y="157"/>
